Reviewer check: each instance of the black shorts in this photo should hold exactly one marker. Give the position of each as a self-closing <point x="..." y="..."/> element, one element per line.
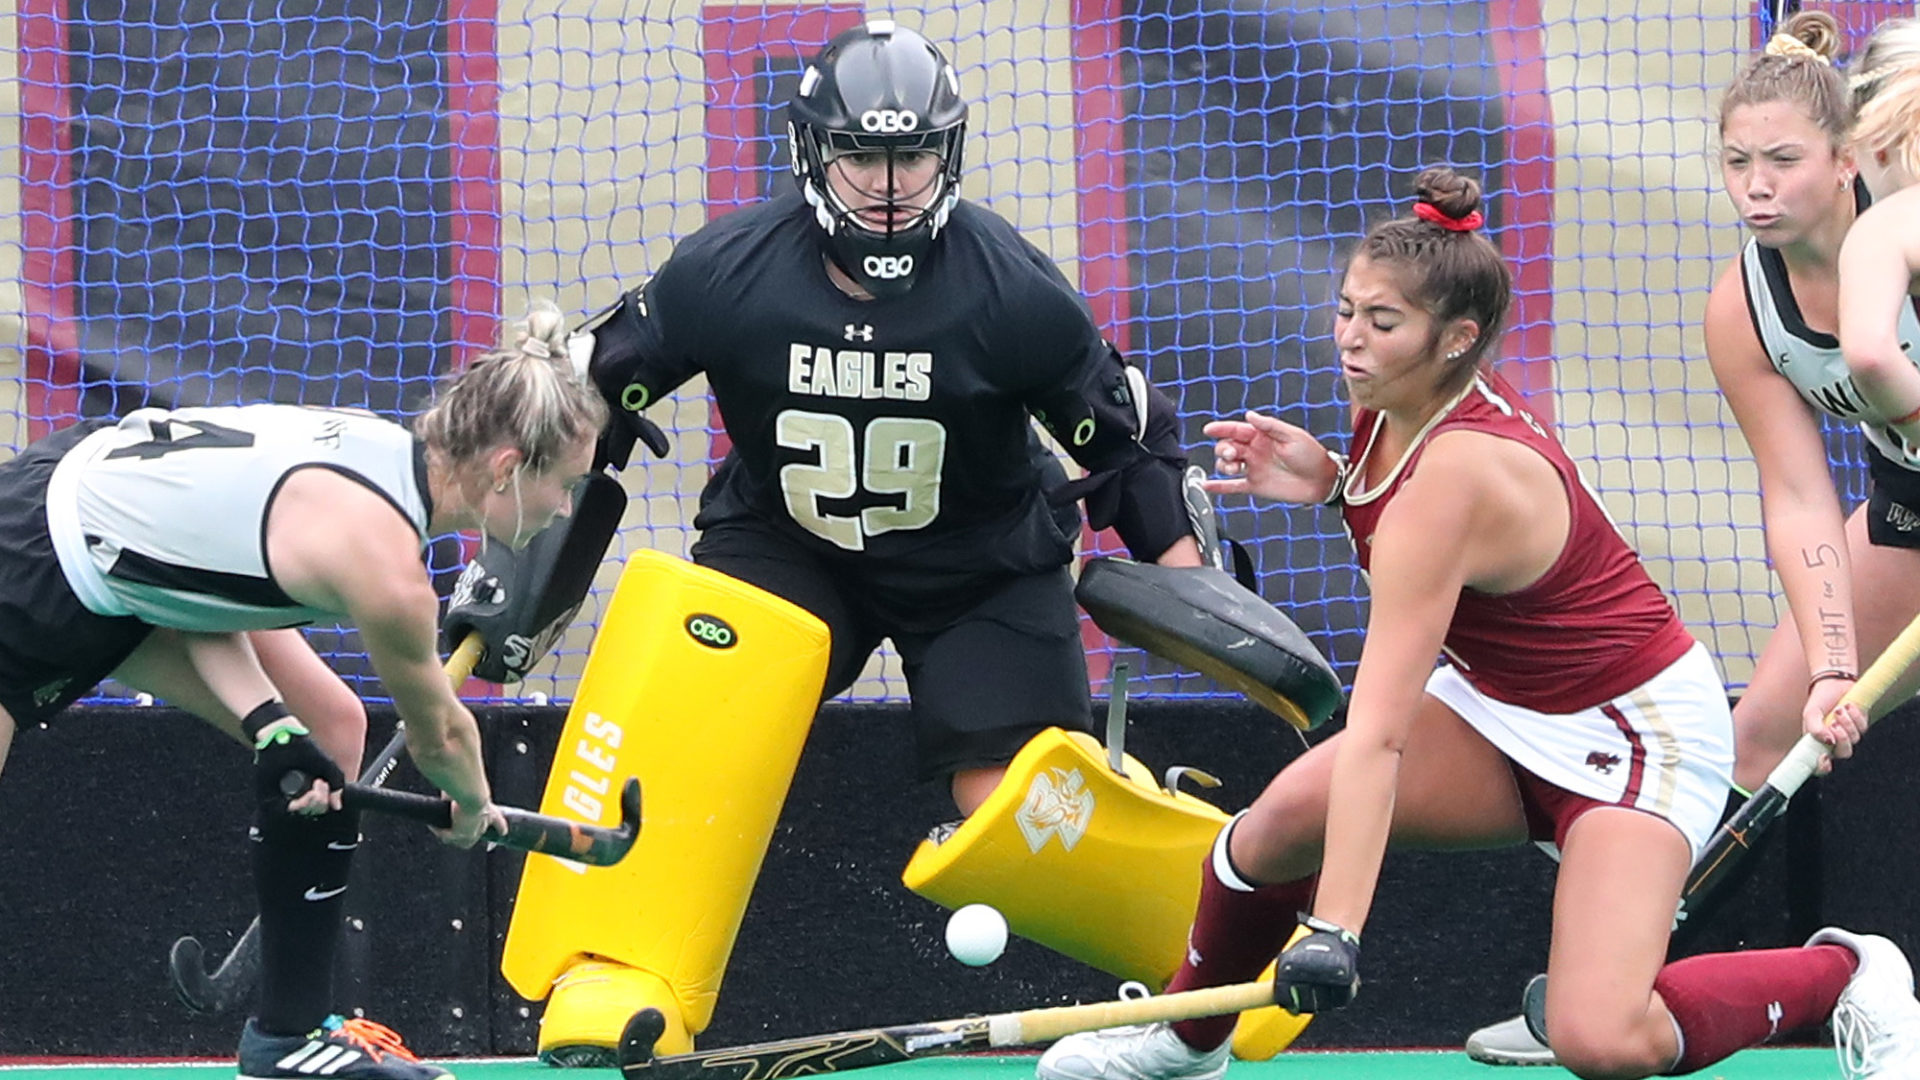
<point x="1005" y="666"/>
<point x="53" y="651"/>
<point x="1893" y="502"/>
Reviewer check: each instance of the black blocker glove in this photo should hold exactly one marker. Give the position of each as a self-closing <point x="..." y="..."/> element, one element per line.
<point x="282" y="745"/>
<point x="1320" y="971"/>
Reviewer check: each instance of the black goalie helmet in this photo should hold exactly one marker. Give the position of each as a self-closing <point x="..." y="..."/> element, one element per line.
<point x="877" y="128"/>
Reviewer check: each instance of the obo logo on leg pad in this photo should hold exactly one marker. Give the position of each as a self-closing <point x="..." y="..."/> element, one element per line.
<point x="711" y="631"/>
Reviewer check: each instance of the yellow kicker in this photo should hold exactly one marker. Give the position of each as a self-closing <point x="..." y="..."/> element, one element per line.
<point x="705" y="688"/>
<point x="1101" y="867"/>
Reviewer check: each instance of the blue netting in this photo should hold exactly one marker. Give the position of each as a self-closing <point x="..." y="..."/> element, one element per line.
<point x="334" y="202"/>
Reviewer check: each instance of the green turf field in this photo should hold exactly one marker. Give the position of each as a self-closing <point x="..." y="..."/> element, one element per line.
<point x="1815" y="1064"/>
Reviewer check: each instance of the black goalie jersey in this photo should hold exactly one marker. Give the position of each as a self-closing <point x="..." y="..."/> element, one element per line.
<point x="893" y="434"/>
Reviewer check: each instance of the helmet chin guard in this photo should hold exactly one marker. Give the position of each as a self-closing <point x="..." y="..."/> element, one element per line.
<point x="884" y="96"/>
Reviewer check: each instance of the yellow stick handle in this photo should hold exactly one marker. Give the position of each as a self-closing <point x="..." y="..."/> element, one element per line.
<point x="460" y="664"/>
<point x="1046" y="1025"/>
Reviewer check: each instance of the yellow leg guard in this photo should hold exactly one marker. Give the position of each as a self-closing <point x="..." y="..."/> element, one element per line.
<point x="704" y="687"/>
<point x="1101" y="867"/>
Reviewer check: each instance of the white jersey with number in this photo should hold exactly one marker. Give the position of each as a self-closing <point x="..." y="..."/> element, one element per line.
<point x="1811" y="360"/>
<point x="163" y="515"/>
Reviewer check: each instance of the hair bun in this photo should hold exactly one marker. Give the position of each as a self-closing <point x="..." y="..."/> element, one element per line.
<point x="543" y="333"/>
<point x="1808" y="35"/>
<point x="1456" y="197"/>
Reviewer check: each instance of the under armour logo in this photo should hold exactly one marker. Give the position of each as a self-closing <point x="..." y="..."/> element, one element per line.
<point x="1058" y="806"/>
<point x="863" y="332"/>
<point x="1602" y="762"/>
<point x="1774" y="1015"/>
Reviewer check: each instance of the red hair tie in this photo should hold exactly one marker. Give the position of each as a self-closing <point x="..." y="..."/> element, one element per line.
<point x="1426" y="211"/>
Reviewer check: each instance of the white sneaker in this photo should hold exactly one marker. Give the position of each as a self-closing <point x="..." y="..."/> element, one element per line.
<point x="1139" y="1052"/>
<point x="1508" y="1042"/>
<point x="1876" y="1023"/>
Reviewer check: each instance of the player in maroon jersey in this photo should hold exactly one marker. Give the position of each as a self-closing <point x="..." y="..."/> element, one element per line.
<point x="1574" y="708"/>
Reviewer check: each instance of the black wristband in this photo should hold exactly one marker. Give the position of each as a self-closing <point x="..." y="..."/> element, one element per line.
<point x="265" y="713"/>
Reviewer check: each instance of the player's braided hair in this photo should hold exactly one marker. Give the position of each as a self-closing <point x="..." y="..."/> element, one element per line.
<point x="1797" y="67"/>
<point x="1446" y="265"/>
<point x="1886" y="94"/>
<point x="524" y="395"/>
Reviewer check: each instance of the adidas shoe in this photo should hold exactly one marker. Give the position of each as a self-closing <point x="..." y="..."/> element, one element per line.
<point x="1138" y="1052"/>
<point x="1876" y="1022"/>
<point x="339" y="1049"/>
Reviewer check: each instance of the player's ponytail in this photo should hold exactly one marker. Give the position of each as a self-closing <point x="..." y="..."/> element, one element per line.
<point x="524" y="396"/>
<point x="1796" y="67"/>
<point x="1446" y="265"/>
<point x="1885" y="89"/>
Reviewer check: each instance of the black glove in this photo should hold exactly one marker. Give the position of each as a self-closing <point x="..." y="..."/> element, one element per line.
<point x="615" y="447"/>
<point x="282" y="745"/>
<point x="1320" y="971"/>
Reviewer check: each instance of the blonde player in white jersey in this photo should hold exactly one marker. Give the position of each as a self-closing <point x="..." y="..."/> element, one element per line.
<point x="177" y="551"/>
<point x="1781" y="350"/>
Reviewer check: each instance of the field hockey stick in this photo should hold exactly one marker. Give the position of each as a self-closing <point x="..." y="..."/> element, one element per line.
<point x="1737" y="837"/>
<point x="217" y="991"/>
<point x="590" y="845"/>
<point x="846" y="1050"/>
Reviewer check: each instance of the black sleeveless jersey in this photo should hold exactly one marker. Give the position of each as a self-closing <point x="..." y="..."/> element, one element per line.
<point x="892" y="435"/>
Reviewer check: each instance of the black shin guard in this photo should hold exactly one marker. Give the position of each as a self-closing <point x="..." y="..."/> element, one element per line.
<point x="300" y="867"/>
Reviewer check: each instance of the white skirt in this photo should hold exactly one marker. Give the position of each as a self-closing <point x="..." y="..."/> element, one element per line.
<point x="1665" y="747"/>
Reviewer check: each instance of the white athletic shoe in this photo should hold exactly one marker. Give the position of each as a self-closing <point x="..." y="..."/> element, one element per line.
<point x="1508" y="1042"/>
<point x="1876" y="1023"/>
<point x="1139" y="1052"/>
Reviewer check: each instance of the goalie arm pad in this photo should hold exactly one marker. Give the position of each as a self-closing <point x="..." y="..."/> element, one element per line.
<point x="1126" y="432"/>
<point x="627" y="353"/>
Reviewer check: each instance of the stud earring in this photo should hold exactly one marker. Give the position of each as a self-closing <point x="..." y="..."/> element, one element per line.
<point x="1456" y="354"/>
<point x="499" y="489"/>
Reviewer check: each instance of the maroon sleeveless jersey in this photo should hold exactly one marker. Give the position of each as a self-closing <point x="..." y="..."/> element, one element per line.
<point x="1591" y="629"/>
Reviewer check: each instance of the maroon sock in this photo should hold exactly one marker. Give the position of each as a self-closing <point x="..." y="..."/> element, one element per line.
<point x="1730" y="1001"/>
<point x="1236" y="933"/>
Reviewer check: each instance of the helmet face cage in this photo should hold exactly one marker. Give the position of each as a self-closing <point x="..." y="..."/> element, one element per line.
<point x="926" y="199"/>
<point x="867" y="107"/>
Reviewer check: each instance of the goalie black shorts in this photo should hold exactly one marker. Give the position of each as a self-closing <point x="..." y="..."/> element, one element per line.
<point x="1007" y="664"/>
<point x="53" y="651"/>
<point x="1893" y="502"/>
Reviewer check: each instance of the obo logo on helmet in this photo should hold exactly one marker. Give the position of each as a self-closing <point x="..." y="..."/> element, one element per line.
<point x="889" y="121"/>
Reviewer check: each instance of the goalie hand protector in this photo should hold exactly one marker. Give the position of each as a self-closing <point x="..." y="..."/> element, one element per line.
<point x="495" y="599"/>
